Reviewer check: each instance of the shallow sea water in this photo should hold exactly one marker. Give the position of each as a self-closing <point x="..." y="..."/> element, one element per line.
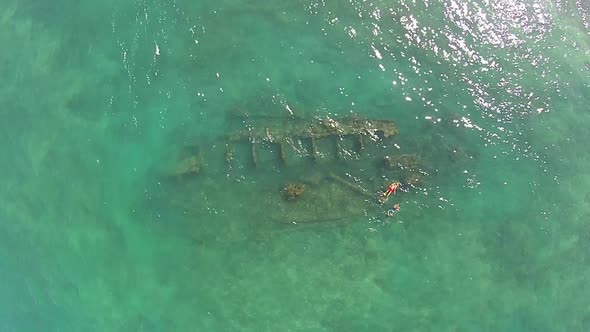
<point x="99" y="99"/>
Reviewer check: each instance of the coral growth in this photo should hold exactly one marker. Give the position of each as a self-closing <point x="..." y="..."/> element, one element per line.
<point x="293" y="191"/>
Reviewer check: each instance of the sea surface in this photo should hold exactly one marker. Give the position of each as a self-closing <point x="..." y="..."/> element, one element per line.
<point x="102" y="102"/>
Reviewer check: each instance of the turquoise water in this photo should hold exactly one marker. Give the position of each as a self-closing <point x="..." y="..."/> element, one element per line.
<point x="100" y="98"/>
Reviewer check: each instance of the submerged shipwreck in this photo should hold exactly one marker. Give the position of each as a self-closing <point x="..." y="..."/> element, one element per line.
<point x="302" y="170"/>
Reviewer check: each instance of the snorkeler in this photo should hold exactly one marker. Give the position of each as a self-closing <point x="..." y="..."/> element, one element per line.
<point x="391" y="189"/>
<point x="393" y="210"/>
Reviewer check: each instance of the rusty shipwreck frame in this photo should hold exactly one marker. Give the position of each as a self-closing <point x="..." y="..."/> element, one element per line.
<point x="283" y="133"/>
<point x="298" y="135"/>
<point x="280" y="135"/>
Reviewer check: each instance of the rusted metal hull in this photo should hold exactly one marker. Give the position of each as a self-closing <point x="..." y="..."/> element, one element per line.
<point x="293" y="139"/>
<point x="317" y="162"/>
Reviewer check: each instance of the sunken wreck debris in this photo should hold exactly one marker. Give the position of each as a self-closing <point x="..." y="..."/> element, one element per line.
<point x="187" y="167"/>
<point x="408" y="166"/>
<point x="317" y="129"/>
<point x="340" y="139"/>
<point x="325" y="168"/>
<point x="292" y="140"/>
<point x="293" y="191"/>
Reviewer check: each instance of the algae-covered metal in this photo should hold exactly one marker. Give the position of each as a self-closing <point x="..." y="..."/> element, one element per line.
<point x="293" y="137"/>
<point x="323" y="168"/>
<point x="280" y="131"/>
